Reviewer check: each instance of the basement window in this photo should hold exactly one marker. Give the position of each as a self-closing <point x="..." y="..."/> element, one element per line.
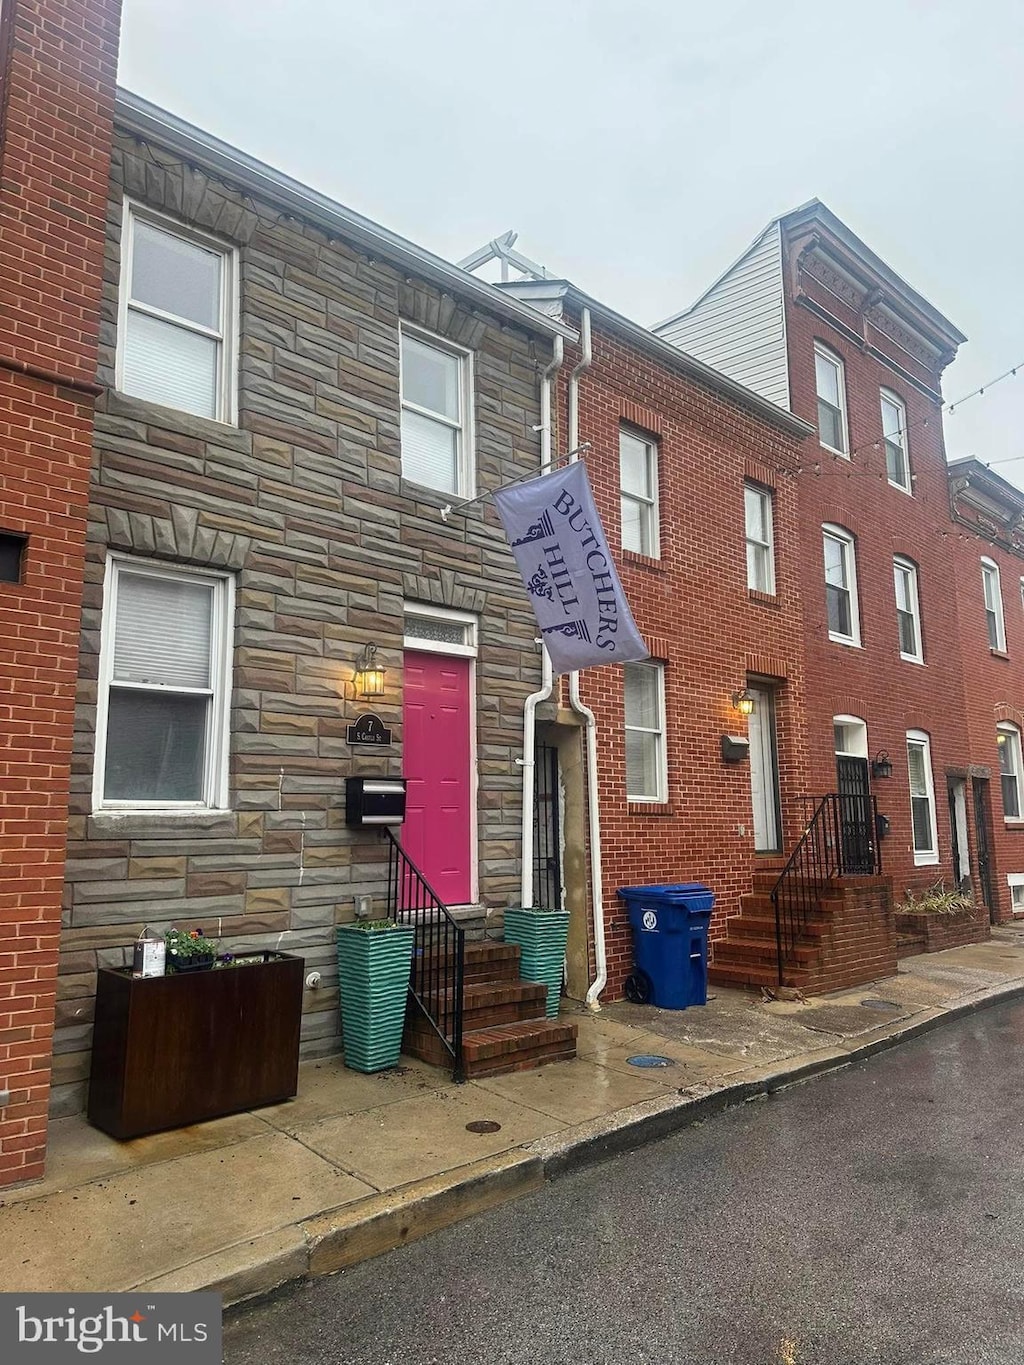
<point x="12" y="556"/>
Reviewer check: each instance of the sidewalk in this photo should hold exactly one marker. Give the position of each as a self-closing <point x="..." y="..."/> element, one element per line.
<point x="358" y="1164"/>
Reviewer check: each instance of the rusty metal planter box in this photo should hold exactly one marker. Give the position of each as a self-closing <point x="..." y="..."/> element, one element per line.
<point x="175" y="1050"/>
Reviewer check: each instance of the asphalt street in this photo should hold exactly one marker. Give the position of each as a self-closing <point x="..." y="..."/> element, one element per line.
<point x="874" y="1214"/>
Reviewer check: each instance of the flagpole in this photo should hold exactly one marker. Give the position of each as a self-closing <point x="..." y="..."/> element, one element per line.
<point x="448" y="509"/>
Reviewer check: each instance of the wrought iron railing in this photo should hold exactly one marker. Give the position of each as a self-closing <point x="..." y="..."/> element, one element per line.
<point x="439" y="955"/>
<point x="839" y="840"/>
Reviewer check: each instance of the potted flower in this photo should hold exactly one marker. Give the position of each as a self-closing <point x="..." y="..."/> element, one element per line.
<point x="188" y="950"/>
<point x="541" y="934"/>
<point x="374" y="962"/>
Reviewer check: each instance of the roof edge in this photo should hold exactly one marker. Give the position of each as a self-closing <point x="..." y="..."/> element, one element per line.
<point x="136" y="114"/>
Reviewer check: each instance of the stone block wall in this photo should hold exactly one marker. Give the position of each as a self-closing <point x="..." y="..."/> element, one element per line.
<point x="304" y="503"/>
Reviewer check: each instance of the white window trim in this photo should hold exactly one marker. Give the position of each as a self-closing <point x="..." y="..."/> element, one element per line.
<point x="860" y="727"/>
<point x="887" y="396"/>
<point x="924" y="857"/>
<point x="227" y="369"/>
<point x="662" y="736"/>
<point x="900" y="564"/>
<point x="1015" y="879"/>
<point x="990" y="575"/>
<point x="1012" y="737"/>
<point x="653" y="502"/>
<point x="851" y="641"/>
<point x="768" y="502"/>
<point x="218" y="734"/>
<point x="466" y="461"/>
<point x="833" y="359"/>
<point x="467" y="650"/>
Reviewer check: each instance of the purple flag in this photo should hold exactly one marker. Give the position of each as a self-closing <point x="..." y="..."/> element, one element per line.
<point x="559" y="545"/>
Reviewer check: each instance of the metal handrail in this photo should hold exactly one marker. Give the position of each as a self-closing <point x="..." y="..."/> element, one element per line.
<point x="439" y="956"/>
<point x="839" y="840"/>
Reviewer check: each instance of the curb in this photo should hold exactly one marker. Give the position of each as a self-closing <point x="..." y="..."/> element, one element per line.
<point x="331" y="1241"/>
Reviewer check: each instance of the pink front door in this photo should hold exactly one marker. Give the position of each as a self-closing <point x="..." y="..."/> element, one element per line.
<point x="436" y="739"/>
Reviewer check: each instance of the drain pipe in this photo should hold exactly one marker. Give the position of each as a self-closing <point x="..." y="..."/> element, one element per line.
<point x="533" y="701"/>
<point x="581" y="709"/>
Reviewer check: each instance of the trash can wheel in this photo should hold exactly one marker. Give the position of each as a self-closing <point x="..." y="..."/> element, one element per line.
<point x="638" y="988"/>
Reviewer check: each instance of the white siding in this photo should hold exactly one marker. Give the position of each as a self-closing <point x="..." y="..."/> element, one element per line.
<point x="739" y="325"/>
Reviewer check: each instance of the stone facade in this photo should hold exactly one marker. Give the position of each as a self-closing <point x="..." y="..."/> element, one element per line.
<point x="304" y="504"/>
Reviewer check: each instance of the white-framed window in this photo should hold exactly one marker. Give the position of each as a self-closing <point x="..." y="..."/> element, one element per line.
<point x="841" y="586"/>
<point x="894" y="432"/>
<point x="908" y="609"/>
<point x="177" y="316"/>
<point x="993" y="605"/>
<point x="922" y="797"/>
<point x="437" y="413"/>
<point x="1010" y="769"/>
<point x="830" y="383"/>
<point x="440" y="630"/>
<point x="638" y="485"/>
<point x="760" y="533"/>
<point x="646" y="768"/>
<point x="164" y="687"/>
<point x="1015" y="881"/>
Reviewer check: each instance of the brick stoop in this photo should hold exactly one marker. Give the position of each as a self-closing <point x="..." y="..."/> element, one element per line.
<point x="504" y="1025"/>
<point x="849" y="939"/>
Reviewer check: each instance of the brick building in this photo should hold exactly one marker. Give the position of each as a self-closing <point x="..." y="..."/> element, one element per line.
<point x="811" y="318"/>
<point x="57" y="72"/>
<point x="695" y="478"/>
<point x="987" y="544"/>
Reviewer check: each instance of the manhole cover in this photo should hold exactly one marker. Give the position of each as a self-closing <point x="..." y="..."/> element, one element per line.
<point x="483" y="1126"/>
<point x="649" y="1059"/>
<point x="880" y="1004"/>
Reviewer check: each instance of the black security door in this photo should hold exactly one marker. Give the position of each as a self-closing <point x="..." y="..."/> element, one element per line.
<point x="547" y="834"/>
<point x="856" y="835"/>
<point x="982" y="824"/>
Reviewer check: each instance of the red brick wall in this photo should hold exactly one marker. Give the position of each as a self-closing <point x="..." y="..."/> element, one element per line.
<point x="873" y="682"/>
<point x="995" y="690"/>
<point x="58" y="100"/>
<point x="693" y="607"/>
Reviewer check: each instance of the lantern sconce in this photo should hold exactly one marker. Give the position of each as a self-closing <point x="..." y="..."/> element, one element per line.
<point x="743" y="702"/>
<point x="369" y="676"/>
<point x="881" y="765"/>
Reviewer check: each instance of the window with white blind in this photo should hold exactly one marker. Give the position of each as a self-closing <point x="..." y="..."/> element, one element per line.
<point x="638" y="487"/>
<point x="993" y="595"/>
<point x="436" y="382"/>
<point x="841" y="586"/>
<point x="165" y="688"/>
<point x="177" y="321"/>
<point x="922" y="797"/>
<point x="646" y="769"/>
<point x="757" y="504"/>
<point x="1010" y="769"/>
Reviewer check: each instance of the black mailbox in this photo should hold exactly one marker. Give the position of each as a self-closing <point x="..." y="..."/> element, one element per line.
<point x="374" y="800"/>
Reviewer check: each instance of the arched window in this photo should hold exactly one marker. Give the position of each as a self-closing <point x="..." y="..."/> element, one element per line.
<point x="1010" y="768"/>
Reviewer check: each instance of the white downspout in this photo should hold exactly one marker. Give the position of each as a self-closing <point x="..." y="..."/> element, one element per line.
<point x="535" y="698"/>
<point x="581" y="709"/>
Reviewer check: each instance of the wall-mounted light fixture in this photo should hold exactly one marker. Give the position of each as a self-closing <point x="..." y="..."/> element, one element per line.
<point x="743" y="702"/>
<point x="881" y="766"/>
<point x="369" y="678"/>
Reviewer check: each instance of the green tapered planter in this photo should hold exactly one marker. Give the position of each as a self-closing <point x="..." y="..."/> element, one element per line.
<point x="541" y="936"/>
<point x="373" y="976"/>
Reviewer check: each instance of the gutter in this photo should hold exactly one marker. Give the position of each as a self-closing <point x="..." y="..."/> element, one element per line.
<point x="148" y="121"/>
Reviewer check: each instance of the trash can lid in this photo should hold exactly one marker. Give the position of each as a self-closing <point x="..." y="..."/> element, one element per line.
<point x="667" y="890"/>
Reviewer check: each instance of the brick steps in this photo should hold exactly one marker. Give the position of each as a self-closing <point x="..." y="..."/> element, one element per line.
<point x="504" y="1023"/>
<point x="909" y="945"/>
<point x="749" y="976"/>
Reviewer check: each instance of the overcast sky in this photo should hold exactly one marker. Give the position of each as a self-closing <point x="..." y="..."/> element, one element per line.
<point x="638" y="146"/>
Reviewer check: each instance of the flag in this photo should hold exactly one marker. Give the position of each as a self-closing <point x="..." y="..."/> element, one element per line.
<point x="559" y="545"/>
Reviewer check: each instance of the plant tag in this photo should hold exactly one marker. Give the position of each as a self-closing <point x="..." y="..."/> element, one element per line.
<point x="150" y="957"/>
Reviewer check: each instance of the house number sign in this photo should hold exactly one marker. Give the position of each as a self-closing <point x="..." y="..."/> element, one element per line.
<point x="368" y="729"/>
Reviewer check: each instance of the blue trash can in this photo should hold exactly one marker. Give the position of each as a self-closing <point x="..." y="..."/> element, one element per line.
<point x="670" y="942"/>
